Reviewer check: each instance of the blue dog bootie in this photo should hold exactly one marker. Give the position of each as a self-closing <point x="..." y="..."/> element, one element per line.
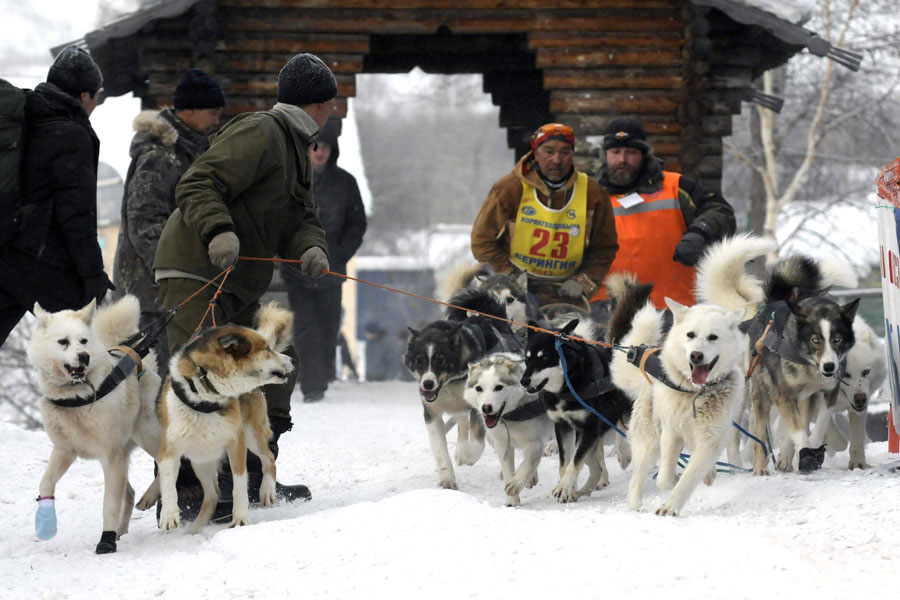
<point x="45" y="518"/>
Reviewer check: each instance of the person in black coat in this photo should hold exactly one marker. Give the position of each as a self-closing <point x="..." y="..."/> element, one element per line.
<point x="317" y="302"/>
<point x="56" y="259"/>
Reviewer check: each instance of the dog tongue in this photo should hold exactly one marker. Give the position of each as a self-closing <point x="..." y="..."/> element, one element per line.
<point x="699" y="374"/>
<point x="491" y="420"/>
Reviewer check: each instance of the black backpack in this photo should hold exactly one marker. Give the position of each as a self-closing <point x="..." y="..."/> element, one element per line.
<point x="12" y="141"/>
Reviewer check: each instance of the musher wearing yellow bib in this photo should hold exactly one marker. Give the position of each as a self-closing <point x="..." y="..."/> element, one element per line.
<point x="548" y="220"/>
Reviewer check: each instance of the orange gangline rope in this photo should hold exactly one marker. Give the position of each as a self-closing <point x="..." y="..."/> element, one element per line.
<point x="427" y="299"/>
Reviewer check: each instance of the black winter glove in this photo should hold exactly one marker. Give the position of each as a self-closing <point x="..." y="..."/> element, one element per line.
<point x="689" y="249"/>
<point x="95" y="288"/>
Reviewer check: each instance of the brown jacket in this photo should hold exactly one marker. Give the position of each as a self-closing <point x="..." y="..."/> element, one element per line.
<point x="495" y="223"/>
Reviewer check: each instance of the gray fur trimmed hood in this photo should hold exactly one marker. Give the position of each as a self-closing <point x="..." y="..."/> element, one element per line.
<point x="151" y="123"/>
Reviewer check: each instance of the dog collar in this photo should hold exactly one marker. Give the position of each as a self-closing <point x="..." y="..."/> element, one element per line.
<point x="526" y="412"/>
<point x="202" y="406"/>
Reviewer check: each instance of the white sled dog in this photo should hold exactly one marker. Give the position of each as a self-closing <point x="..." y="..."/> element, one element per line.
<point x="704" y="355"/>
<point x="69" y="353"/>
<point x="863" y="376"/>
<point x="211" y="402"/>
<point x="701" y="357"/>
<point x="514" y="418"/>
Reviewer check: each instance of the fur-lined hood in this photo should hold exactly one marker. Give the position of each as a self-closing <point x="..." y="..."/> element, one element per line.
<point x="163" y="127"/>
<point x="149" y="122"/>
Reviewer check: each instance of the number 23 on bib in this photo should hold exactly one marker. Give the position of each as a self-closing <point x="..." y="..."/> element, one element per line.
<point x="548" y="242"/>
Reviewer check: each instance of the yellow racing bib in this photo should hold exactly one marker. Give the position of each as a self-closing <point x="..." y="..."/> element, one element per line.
<point x="547" y="242"/>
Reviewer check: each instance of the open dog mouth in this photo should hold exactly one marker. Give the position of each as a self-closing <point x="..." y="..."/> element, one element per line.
<point x="536" y="388"/>
<point x="429" y="395"/>
<point x="279" y="375"/>
<point x="700" y="373"/>
<point x="490" y="421"/>
<point x="76" y="373"/>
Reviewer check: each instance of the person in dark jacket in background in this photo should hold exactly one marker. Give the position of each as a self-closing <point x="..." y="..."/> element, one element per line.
<point x="166" y="142"/>
<point x="56" y="259"/>
<point x="382" y="354"/>
<point x="317" y="302"/>
<point x="664" y="220"/>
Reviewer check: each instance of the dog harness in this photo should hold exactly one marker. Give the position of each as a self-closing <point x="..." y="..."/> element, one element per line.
<point x="767" y="326"/>
<point x="130" y="360"/>
<point x="599" y="381"/>
<point x="526" y="412"/>
<point x="647" y="360"/>
<point x="550" y="242"/>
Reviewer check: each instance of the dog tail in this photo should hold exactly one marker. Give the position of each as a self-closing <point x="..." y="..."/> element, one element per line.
<point x="837" y="272"/>
<point x="117" y="321"/>
<point x="275" y="324"/>
<point x="470" y="298"/>
<point x="806" y="274"/>
<point x="646" y="329"/>
<point x="721" y="278"/>
<point x="629" y="296"/>
<point x="461" y="276"/>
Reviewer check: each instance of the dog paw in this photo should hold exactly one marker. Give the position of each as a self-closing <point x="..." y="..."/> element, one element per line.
<point x="533" y="481"/>
<point x="624" y="459"/>
<point x="858" y="464"/>
<point x="512" y="500"/>
<point x="239" y="521"/>
<point x="267" y="495"/>
<point x="145" y="504"/>
<point x="634" y="503"/>
<point x="666" y="510"/>
<point x="565" y="494"/>
<point x="514" y="487"/>
<point x="552" y="447"/>
<point x="761" y="471"/>
<point x="169" y="520"/>
<point x="448" y="485"/>
<point x="710" y="477"/>
<point x="785" y="464"/>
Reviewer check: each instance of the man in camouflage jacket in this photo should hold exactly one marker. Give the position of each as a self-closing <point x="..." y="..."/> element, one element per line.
<point x="165" y="144"/>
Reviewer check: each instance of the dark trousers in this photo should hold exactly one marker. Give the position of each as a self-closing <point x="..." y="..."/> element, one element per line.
<point x="25" y="280"/>
<point x="317" y="319"/>
<point x="229" y="309"/>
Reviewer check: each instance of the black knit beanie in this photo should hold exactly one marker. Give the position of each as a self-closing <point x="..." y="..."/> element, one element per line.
<point x="305" y="79"/>
<point x="198" y="90"/>
<point x="625" y="132"/>
<point x="74" y="71"/>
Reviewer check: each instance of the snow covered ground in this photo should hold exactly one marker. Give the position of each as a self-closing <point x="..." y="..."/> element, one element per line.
<point x="378" y="527"/>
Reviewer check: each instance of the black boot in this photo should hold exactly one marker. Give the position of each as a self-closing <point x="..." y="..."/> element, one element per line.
<point x="285" y="492"/>
<point x="107" y="544"/>
<point x="811" y="459"/>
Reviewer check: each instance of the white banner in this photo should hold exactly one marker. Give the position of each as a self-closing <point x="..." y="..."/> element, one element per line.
<point x="888" y="225"/>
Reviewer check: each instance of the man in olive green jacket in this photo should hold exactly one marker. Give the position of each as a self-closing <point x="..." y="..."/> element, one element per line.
<point x="249" y="194"/>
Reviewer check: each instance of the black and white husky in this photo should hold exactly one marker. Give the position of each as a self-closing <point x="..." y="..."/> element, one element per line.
<point x="515" y="419"/>
<point x="579" y="431"/>
<point x="438" y="356"/>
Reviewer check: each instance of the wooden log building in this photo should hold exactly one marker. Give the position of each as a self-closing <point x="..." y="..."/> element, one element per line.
<point x="682" y="66"/>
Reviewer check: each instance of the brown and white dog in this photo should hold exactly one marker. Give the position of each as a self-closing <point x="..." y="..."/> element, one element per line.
<point x="212" y="402"/>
